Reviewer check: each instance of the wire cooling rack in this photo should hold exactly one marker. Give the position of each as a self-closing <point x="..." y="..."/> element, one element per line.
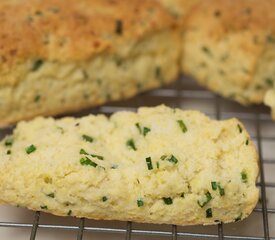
<point x="185" y="94"/>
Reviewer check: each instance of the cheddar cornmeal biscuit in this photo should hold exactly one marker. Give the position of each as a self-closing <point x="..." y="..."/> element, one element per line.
<point x="229" y="47"/>
<point x="159" y="165"/>
<point x="60" y="56"/>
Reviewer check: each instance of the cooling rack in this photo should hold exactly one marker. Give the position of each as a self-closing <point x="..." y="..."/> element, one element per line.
<point x="185" y="94"/>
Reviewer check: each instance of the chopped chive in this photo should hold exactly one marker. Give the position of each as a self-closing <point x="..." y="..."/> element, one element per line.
<point x="8" y="152"/>
<point x="244" y="177"/>
<point x="140" y="203"/>
<point x="217" y="221"/>
<point x="97" y="156"/>
<point x="221" y="190"/>
<point x="8" y="142"/>
<point x="104" y="199"/>
<point x="88" y="162"/>
<point x="37" y="64"/>
<point x="269" y="82"/>
<point x="240" y="128"/>
<point x="206" y="50"/>
<point x="270" y="39"/>
<point x="157" y="165"/>
<point x="131" y="144"/>
<point x="247" y="142"/>
<point x="239" y="218"/>
<point x="209" y="213"/>
<point x="37" y="98"/>
<point x="87" y="138"/>
<point x="167" y="201"/>
<point x="149" y="163"/>
<point x="45" y="207"/>
<point x="173" y="159"/>
<point x="182" y="195"/>
<point x="146" y="130"/>
<point x="139" y="128"/>
<point x="69" y="213"/>
<point x="82" y="151"/>
<point x="214" y="185"/>
<point x="182" y="126"/>
<point x="143" y="131"/>
<point x="158" y="72"/>
<point x="30" y="149"/>
<point x="208" y="198"/>
<point x="51" y="195"/>
<point x="119" y="27"/>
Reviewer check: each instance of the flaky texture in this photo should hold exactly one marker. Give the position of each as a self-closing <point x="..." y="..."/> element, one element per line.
<point x="159" y="165"/>
<point x="64" y="55"/>
<point x="229" y="47"/>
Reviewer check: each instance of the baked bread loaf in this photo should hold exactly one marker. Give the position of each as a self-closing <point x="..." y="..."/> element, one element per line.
<point x="159" y="165"/>
<point x="229" y="47"/>
<point x="59" y="56"/>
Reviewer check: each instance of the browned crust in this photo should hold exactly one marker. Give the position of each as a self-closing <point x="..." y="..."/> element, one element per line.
<point x="69" y="30"/>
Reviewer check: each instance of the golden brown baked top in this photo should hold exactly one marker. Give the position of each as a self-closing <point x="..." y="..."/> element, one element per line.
<point x="235" y="15"/>
<point x="65" y="30"/>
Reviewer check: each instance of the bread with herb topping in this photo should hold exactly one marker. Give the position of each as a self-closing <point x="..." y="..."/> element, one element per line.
<point x="159" y="165"/>
<point x="60" y="56"/>
<point x="229" y="47"/>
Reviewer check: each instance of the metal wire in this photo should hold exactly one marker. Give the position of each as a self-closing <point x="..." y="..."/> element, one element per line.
<point x="177" y="93"/>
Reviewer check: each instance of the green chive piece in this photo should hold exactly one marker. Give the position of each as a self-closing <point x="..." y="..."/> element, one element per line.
<point x="247" y="142"/>
<point x="149" y="163"/>
<point x="30" y="149"/>
<point x="170" y="158"/>
<point x="131" y="144"/>
<point x="239" y="218"/>
<point x="269" y="82"/>
<point x="221" y="190"/>
<point x="119" y="27"/>
<point x="173" y="159"/>
<point x="45" y="207"/>
<point x="208" y="198"/>
<point x="104" y="199"/>
<point x="157" y="165"/>
<point x="37" y="64"/>
<point x="182" y="126"/>
<point x="37" y="98"/>
<point x="158" y="72"/>
<point x="69" y="213"/>
<point x="140" y="203"/>
<point x="87" y="162"/>
<point x="143" y="131"/>
<point x="51" y="195"/>
<point x="8" y="142"/>
<point x="146" y="130"/>
<point x="244" y="177"/>
<point x="87" y="138"/>
<point x="240" y="128"/>
<point x="214" y="185"/>
<point x="206" y="50"/>
<point x="167" y="201"/>
<point x="209" y="213"/>
<point x="139" y="128"/>
<point x="182" y="195"/>
<point x="82" y="151"/>
<point x="114" y="166"/>
<point x="9" y="152"/>
<point x="270" y="39"/>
